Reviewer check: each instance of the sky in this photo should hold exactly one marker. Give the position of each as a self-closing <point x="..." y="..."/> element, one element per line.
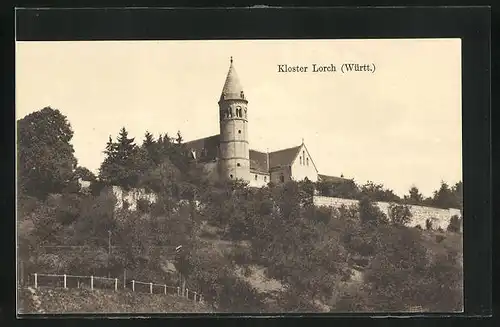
<point x="399" y="125"/>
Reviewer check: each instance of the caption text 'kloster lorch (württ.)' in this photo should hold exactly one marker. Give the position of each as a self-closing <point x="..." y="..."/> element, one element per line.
<point x="328" y="68"/>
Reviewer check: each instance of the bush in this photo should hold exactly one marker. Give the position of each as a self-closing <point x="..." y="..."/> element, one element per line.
<point x="440" y="238"/>
<point x="428" y="224"/>
<point x="144" y="205"/>
<point x="455" y="224"/>
<point x="400" y="214"/>
<point x="370" y="213"/>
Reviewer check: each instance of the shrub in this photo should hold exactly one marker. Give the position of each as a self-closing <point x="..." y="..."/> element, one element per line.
<point x="440" y="238"/>
<point x="399" y="214"/>
<point x="455" y="224"/>
<point x="370" y="213"/>
<point x="428" y="224"/>
<point x="144" y="205"/>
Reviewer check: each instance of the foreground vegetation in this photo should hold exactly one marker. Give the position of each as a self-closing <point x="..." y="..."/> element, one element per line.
<point x="347" y="259"/>
<point x="85" y="301"/>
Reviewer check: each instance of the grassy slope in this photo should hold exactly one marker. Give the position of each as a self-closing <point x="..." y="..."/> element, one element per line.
<point x="102" y="301"/>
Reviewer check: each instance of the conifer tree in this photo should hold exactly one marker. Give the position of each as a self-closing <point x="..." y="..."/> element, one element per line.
<point x="119" y="166"/>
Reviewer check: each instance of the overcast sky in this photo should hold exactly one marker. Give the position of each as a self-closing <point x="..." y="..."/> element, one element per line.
<point x="399" y="126"/>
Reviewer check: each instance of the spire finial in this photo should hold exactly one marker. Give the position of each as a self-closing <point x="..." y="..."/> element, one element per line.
<point x="231" y="59"/>
<point x="302" y="140"/>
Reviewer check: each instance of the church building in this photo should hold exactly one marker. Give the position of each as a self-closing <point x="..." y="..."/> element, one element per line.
<point x="227" y="156"/>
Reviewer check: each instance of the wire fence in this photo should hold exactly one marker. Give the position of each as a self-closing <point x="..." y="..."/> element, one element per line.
<point x="98" y="282"/>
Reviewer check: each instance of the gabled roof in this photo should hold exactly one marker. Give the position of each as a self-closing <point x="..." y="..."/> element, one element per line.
<point x="283" y="157"/>
<point x="232" y="87"/>
<point x="258" y="161"/>
<point x="332" y="179"/>
<point x="205" y="149"/>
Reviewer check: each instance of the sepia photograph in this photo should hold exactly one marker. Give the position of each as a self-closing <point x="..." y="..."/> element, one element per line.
<point x="239" y="176"/>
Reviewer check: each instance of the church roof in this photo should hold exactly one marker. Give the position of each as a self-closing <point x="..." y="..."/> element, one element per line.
<point x="332" y="179"/>
<point x="205" y="149"/>
<point x="283" y="157"/>
<point x="258" y="161"/>
<point x="232" y="87"/>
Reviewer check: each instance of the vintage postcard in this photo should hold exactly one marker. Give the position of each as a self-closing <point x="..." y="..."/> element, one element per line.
<point x="244" y="176"/>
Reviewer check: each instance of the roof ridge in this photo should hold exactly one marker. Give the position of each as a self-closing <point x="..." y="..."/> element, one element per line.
<point x="202" y="138"/>
<point x="286" y="149"/>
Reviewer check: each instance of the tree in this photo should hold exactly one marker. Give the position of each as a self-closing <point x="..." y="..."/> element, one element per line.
<point x="377" y="192"/>
<point x="399" y="214"/>
<point x="120" y="165"/>
<point x="179" y="138"/>
<point x="457" y="191"/>
<point x="444" y="198"/>
<point x="455" y="224"/>
<point x="346" y="189"/>
<point x="85" y="174"/>
<point x="414" y="197"/>
<point x="46" y="160"/>
<point x="370" y="213"/>
<point x="428" y="224"/>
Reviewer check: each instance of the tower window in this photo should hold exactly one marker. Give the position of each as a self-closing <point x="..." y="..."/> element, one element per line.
<point x="239" y="131"/>
<point x="265" y="178"/>
<point x="238" y="164"/>
<point x="256" y="177"/>
<point x="231" y="176"/>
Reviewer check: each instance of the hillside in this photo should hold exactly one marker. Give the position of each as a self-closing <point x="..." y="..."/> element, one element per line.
<point x="59" y="300"/>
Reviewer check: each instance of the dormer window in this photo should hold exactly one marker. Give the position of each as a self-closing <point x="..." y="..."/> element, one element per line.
<point x="242" y="95"/>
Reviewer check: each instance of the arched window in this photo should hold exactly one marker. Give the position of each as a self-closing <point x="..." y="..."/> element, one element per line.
<point x="265" y="178"/>
<point x="282" y="178"/>
<point x="300" y="160"/>
<point x="307" y="159"/>
<point x="239" y="131"/>
<point x="256" y="177"/>
<point x="238" y="164"/>
<point x="231" y="176"/>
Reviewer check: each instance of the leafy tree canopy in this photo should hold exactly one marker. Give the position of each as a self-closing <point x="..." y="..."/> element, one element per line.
<point x="46" y="160"/>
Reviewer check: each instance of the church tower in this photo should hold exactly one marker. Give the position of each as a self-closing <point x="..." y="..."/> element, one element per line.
<point x="234" y="155"/>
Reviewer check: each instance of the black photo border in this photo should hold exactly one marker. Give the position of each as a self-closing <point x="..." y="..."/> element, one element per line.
<point x="471" y="24"/>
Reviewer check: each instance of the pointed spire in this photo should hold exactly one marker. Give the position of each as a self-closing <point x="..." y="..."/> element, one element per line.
<point x="232" y="89"/>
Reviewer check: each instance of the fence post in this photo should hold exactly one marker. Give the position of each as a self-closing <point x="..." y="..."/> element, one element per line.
<point x="64" y="280"/>
<point x="187" y="293"/>
<point x="178" y="290"/>
<point x="116" y="284"/>
<point x="151" y="288"/>
<point x="92" y="283"/>
<point x="194" y="297"/>
<point x="200" y="299"/>
<point x="133" y="285"/>
<point x="36" y="280"/>
<point x="165" y="288"/>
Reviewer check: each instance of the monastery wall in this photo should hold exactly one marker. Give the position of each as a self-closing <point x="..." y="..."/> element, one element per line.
<point x="131" y="197"/>
<point x="439" y="217"/>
